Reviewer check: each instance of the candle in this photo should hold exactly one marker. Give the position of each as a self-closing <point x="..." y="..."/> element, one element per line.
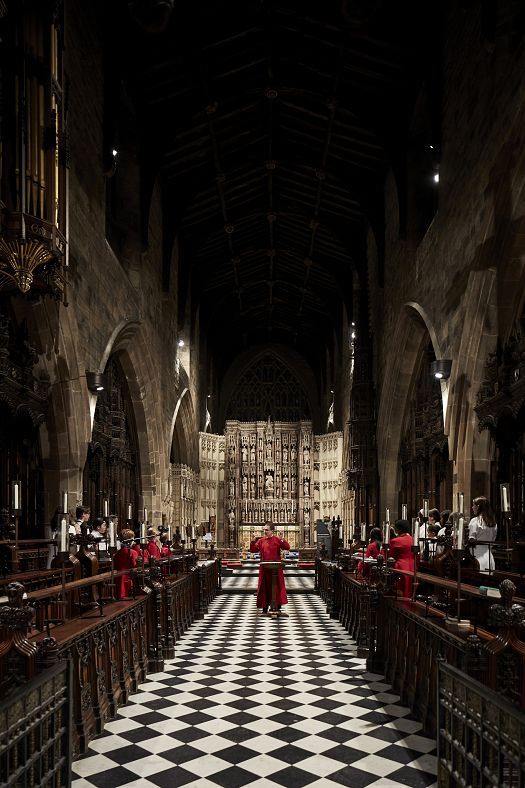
<point x="461" y="525"/>
<point x="169" y="533"/>
<point x="143" y="532"/>
<point x="404" y="511"/>
<point x="425" y="507"/>
<point x="106" y="507"/>
<point x="461" y="498"/>
<point x="64" y="502"/>
<point x="63" y="535"/>
<point x="183" y="533"/>
<point x="111" y="532"/>
<point x="415" y="532"/>
<point x="16" y="496"/>
<point x="145" y="518"/>
<point x="505" y="497"/>
<point x="387" y="515"/>
<point x="387" y="534"/>
<point x="340" y="532"/>
<point x="130" y="511"/>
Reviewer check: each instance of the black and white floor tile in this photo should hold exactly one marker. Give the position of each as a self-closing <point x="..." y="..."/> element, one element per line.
<point x="267" y="703"/>
<point x="245" y="580"/>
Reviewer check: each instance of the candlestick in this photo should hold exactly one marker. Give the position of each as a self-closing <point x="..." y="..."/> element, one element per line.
<point x="111" y="532"/>
<point x="505" y="506"/>
<point x="404" y="511"/>
<point x="106" y="507"/>
<point x="16" y="497"/>
<point x="425" y="507"/>
<point x="461" y="526"/>
<point x="64" y="501"/>
<point x="63" y="535"/>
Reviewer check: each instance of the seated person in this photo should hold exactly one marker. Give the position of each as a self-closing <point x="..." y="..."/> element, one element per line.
<point x="125" y="558"/>
<point x="372" y="551"/>
<point x="141" y="552"/>
<point x="430" y="546"/>
<point x="153" y="548"/>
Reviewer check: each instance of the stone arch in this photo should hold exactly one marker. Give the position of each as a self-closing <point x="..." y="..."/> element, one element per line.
<point x="183" y="442"/>
<point x="413" y="331"/>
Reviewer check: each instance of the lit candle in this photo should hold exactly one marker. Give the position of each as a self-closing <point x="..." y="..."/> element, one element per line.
<point x="425" y="507"/>
<point x="415" y="532"/>
<point x="111" y="532"/>
<point x="387" y="515"/>
<point x="404" y="511"/>
<point x="16" y="496"/>
<point x="63" y="535"/>
<point x="130" y="511"/>
<point x="461" y="525"/>
<point x="64" y="502"/>
<point x="106" y="507"/>
<point x="504" y="498"/>
<point x="145" y="517"/>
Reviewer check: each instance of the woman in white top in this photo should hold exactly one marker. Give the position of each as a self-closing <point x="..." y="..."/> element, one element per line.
<point x="482" y="528"/>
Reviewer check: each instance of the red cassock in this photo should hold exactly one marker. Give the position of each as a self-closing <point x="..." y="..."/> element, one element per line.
<point x="125" y="558"/>
<point x="154" y="549"/>
<point x="270" y="550"/>
<point x="372" y="551"/>
<point x="401" y="552"/>
<point x="138" y="550"/>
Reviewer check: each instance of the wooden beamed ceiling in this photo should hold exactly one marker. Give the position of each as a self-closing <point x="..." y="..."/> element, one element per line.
<point x="276" y="123"/>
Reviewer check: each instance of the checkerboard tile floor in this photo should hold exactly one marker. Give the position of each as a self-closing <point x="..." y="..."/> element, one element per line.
<point x="245" y="581"/>
<point x="266" y="703"/>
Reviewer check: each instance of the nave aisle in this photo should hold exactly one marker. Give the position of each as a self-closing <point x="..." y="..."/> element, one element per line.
<point x="265" y="703"/>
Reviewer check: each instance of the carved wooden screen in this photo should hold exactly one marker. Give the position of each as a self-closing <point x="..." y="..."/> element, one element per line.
<point x="426" y="471"/>
<point x="268" y="389"/>
<point x="112" y="470"/>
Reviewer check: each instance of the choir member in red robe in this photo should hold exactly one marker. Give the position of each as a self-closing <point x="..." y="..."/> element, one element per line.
<point x="141" y="553"/>
<point x="269" y="546"/>
<point x="153" y="548"/>
<point x="401" y="552"/>
<point x="125" y="559"/>
<point x="372" y="551"/>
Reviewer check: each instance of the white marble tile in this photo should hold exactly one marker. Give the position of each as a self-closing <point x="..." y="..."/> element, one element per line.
<point x="320" y="765"/>
<point x="204" y="767"/>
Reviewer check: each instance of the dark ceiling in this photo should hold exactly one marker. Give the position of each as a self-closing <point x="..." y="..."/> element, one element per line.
<point x="273" y="124"/>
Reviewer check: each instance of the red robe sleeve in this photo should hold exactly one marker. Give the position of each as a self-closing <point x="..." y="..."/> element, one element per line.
<point x="255" y="546"/>
<point x="284" y="545"/>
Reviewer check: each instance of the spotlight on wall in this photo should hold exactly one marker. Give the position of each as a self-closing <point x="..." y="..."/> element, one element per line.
<point x="440" y="368"/>
<point x="180" y="343"/>
<point x="96" y="381"/>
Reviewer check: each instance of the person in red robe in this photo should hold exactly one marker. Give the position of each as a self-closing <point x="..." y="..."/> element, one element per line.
<point x="141" y="553"/>
<point x="372" y="551"/>
<point x="269" y="546"/>
<point x="153" y="548"/>
<point x="125" y="559"/>
<point x="401" y="552"/>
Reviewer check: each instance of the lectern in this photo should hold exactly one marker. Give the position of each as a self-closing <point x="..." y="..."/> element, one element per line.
<point x="270" y="570"/>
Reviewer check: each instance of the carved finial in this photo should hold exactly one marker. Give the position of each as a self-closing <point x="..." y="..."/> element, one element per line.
<point x="506" y="614"/>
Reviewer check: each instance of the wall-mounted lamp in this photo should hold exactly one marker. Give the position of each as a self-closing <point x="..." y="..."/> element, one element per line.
<point x="96" y="381"/>
<point x="441" y="368"/>
<point x="180" y="343"/>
